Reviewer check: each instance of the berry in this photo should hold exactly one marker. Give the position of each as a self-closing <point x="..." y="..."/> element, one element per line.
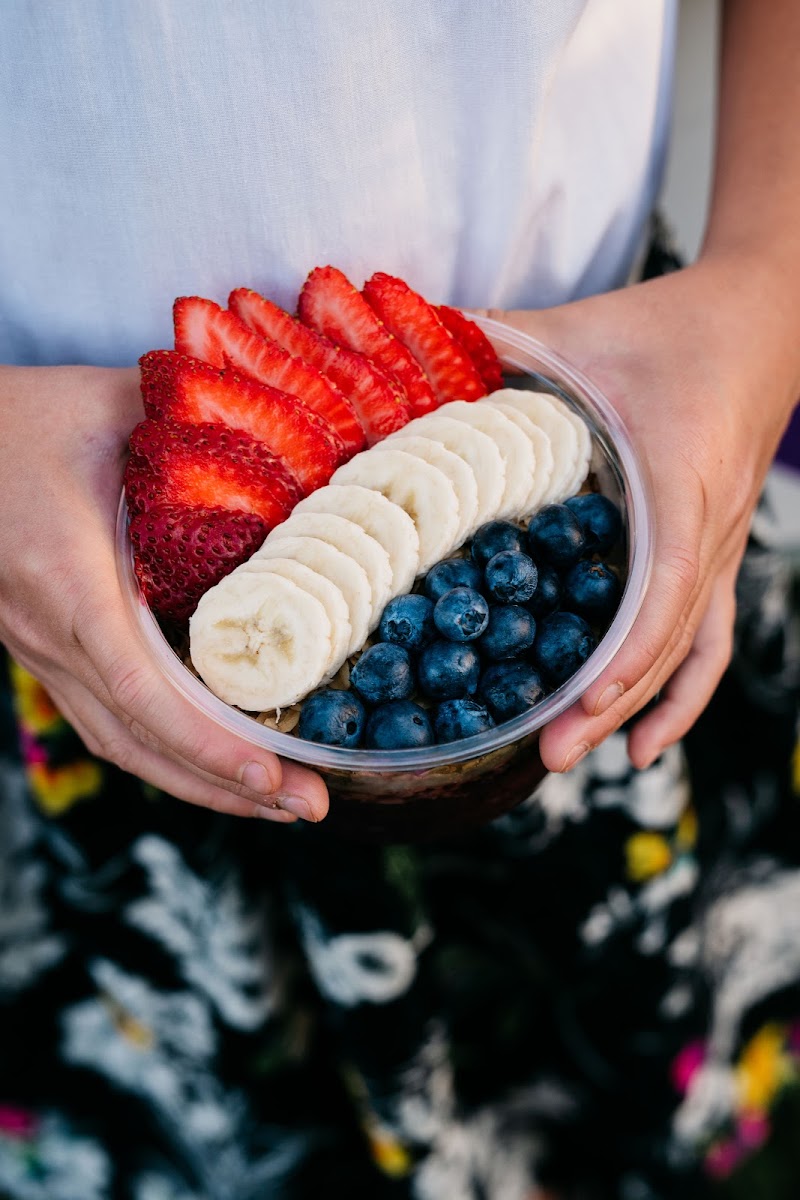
<point x="600" y="521"/>
<point x="511" y="688"/>
<point x="220" y="338"/>
<point x="563" y="643"/>
<point x="408" y="621"/>
<point x="472" y="339"/>
<point x="511" y="577"/>
<point x="416" y="324"/>
<point x="451" y="573"/>
<point x="555" y="535"/>
<point x="509" y="633"/>
<point x="330" y="304"/>
<point x="493" y="537"/>
<point x="206" y="466"/>
<point x="398" y="725"/>
<point x="383" y="672"/>
<point x="334" y="717"/>
<point x="592" y="590"/>
<point x="456" y="719"/>
<point x="378" y="401"/>
<point x="547" y="596"/>
<point x="179" y="552"/>
<point x="178" y="388"/>
<point x="448" y="670"/>
<point x="461" y="614"/>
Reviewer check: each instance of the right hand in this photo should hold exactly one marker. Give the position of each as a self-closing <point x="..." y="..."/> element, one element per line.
<point x="63" y="444"/>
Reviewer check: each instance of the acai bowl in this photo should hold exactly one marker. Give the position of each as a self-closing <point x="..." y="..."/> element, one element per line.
<point x="440" y="790"/>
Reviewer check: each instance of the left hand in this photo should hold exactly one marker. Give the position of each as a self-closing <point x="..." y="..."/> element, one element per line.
<point x="699" y="366"/>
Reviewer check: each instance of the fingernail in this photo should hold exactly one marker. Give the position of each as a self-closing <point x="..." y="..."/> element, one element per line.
<point x="609" y="697"/>
<point x="295" y="805"/>
<point x="575" y="755"/>
<point x="255" y="777"/>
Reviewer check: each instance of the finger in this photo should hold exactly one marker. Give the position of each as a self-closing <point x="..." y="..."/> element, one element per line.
<point x="693" y="684"/>
<point x="105" y="736"/>
<point x="124" y="678"/>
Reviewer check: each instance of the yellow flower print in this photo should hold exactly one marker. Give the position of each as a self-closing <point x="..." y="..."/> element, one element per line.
<point x="647" y="854"/>
<point x="389" y="1155"/>
<point x="56" y="789"/>
<point x="35" y="710"/>
<point x="686" y="833"/>
<point x="763" y="1068"/>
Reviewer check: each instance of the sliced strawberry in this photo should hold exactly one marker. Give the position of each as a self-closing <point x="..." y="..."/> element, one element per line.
<point x="330" y="304"/>
<point x="415" y="323"/>
<point x="471" y="338"/>
<point x="179" y="553"/>
<point x="375" y="396"/>
<point x="182" y="389"/>
<point x="206" y="466"/>
<point x="206" y="331"/>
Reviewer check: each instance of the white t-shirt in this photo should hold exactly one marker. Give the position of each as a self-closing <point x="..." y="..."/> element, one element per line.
<point x="502" y="153"/>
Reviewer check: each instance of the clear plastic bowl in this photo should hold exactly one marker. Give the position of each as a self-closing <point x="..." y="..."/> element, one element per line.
<point x="409" y="795"/>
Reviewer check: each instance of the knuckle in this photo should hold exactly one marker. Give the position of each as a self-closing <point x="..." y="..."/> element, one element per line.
<point x="129" y="688"/>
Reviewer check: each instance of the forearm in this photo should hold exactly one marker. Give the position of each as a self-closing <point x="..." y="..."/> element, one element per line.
<point x="754" y="217"/>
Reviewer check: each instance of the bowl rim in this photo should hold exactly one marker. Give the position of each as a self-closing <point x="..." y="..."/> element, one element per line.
<point x="557" y="376"/>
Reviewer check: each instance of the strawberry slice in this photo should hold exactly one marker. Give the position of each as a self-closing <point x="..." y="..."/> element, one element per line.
<point x="380" y="405"/>
<point x="330" y="304"/>
<point x="179" y="553"/>
<point x="183" y="389"/>
<point x="206" y="466"/>
<point x="474" y="341"/>
<point x="208" y="332"/>
<point x="415" y="323"/>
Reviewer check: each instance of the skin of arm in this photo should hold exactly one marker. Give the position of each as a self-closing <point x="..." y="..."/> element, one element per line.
<point x="704" y="366"/>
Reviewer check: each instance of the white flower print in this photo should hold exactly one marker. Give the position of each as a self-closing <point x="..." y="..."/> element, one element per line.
<point x="215" y="933"/>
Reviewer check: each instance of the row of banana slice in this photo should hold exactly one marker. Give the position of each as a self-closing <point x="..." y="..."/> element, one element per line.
<point x="284" y="622"/>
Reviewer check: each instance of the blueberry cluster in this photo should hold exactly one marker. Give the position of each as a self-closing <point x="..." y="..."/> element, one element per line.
<point x="486" y="638"/>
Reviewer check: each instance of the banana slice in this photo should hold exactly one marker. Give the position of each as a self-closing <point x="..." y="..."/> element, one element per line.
<point x="478" y="451"/>
<point x="584" y="445"/>
<point x="421" y="490"/>
<point x="351" y="539"/>
<point x="259" y="641"/>
<point x="540" y="409"/>
<point x="455" y="468"/>
<point x="380" y="518"/>
<point x="342" y="570"/>
<point x="542" y="452"/>
<point x="322" y="589"/>
<point x="512" y="443"/>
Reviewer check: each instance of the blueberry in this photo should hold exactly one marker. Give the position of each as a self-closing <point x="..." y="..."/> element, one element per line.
<point x="398" y="725"/>
<point x="510" y="632"/>
<point x="511" y="577"/>
<point x="461" y="614"/>
<point x="563" y="643"/>
<point x="555" y="535"/>
<point x="592" y="590"/>
<point x="510" y="689"/>
<point x="383" y="673"/>
<point x="448" y="670"/>
<point x="493" y="537"/>
<point x="456" y="719"/>
<point x="547" y="596"/>
<point x="600" y="521"/>
<point x="453" y="572"/>
<point x="333" y="717"/>
<point x="408" y="621"/>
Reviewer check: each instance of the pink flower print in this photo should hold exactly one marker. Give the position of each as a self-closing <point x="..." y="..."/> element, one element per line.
<point x="723" y="1158"/>
<point x="686" y="1064"/>
<point x="16" y="1122"/>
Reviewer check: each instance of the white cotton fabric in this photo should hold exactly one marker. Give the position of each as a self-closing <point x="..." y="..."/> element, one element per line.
<point x="502" y="153"/>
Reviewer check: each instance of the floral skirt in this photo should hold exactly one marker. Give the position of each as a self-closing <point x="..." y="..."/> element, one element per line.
<point x="596" y="996"/>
